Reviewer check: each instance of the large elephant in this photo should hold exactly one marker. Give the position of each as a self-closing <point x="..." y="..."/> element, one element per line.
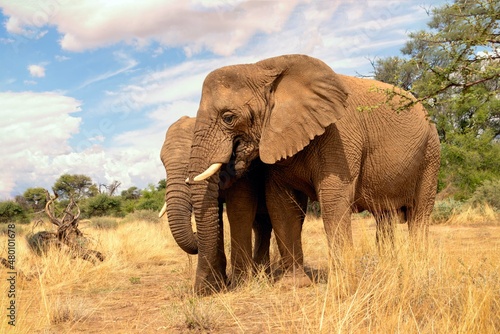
<point x="336" y="138"/>
<point x="245" y="204"/>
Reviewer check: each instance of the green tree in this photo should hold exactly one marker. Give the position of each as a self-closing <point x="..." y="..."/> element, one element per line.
<point x="11" y="212"/>
<point x="131" y="193"/>
<point x="454" y="69"/>
<point x="103" y="205"/>
<point x="75" y="185"/>
<point x="162" y="185"/>
<point x="396" y="71"/>
<point x="35" y="198"/>
<point x="130" y="198"/>
<point x="23" y="203"/>
<point x="152" y="198"/>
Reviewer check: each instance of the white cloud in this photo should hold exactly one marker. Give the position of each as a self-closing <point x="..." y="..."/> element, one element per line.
<point x="158" y="52"/>
<point x="26" y="28"/>
<point x="139" y="149"/>
<point x="35" y="128"/>
<point x="13" y="25"/>
<point x="162" y="118"/>
<point x="221" y="26"/>
<point x="98" y="139"/>
<point x="61" y="58"/>
<point x="36" y="71"/>
<point x="35" y="147"/>
<point x="132" y="166"/>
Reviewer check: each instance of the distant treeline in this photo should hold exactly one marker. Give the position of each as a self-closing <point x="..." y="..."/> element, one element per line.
<point x="93" y="200"/>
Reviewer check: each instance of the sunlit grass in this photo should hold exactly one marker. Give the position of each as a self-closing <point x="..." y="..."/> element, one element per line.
<point x="145" y="285"/>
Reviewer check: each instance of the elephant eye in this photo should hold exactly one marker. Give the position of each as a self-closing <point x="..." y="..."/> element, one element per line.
<point x="228" y="118"/>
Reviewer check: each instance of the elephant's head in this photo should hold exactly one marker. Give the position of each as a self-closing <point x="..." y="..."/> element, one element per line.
<point x="175" y="158"/>
<point x="271" y="109"/>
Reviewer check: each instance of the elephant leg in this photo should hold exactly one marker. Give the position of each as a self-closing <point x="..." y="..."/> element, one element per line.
<point x="262" y="230"/>
<point x="336" y="199"/>
<point x="287" y="216"/>
<point x="418" y="216"/>
<point x="241" y="206"/>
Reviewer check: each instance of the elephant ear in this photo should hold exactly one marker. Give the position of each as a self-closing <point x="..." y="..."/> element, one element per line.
<point x="305" y="96"/>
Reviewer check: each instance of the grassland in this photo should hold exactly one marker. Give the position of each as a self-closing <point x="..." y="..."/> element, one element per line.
<point x="144" y="285"/>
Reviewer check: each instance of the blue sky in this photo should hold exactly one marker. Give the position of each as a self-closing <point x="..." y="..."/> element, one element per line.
<point x="91" y="86"/>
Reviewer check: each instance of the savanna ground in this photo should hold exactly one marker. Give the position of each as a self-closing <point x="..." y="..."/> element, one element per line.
<point x="144" y="285"/>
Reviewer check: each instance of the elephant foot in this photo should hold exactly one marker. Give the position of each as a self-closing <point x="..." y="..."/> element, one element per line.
<point x="239" y="277"/>
<point x="235" y="282"/>
<point x="295" y="277"/>
<point x="204" y="286"/>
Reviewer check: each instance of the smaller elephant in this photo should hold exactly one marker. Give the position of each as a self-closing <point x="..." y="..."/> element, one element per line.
<point x="245" y="205"/>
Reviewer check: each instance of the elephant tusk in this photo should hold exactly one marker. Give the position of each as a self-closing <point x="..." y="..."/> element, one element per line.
<point x="214" y="168"/>
<point x="163" y="210"/>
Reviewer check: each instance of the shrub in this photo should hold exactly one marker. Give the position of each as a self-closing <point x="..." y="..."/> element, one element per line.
<point x="153" y="204"/>
<point x="466" y="161"/>
<point x="12" y="212"/>
<point x="444" y="210"/>
<point x="151" y="199"/>
<point x="103" y="205"/>
<point x="488" y="192"/>
<point x="128" y="205"/>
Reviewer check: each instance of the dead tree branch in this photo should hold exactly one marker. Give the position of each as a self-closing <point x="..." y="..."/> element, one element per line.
<point x="67" y="236"/>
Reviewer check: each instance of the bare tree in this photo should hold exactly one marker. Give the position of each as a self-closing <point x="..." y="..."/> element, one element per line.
<point x="111" y="188"/>
<point x="68" y="236"/>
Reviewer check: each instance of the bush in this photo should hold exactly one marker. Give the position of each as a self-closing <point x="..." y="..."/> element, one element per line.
<point x="466" y="161"/>
<point x="12" y="212"/>
<point x="128" y="205"/>
<point x="103" y="205"/>
<point x="152" y="199"/>
<point x="444" y="210"/>
<point x="104" y="223"/>
<point x="143" y="215"/>
<point x="153" y="204"/>
<point x="489" y="193"/>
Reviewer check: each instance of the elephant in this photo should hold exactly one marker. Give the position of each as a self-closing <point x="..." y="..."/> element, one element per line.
<point x="245" y="204"/>
<point x="344" y="141"/>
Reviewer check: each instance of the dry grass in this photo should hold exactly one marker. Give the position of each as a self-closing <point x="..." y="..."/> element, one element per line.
<point x="475" y="216"/>
<point x="144" y="286"/>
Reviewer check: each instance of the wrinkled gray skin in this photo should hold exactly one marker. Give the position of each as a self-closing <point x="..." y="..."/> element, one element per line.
<point x="304" y="121"/>
<point x="245" y="205"/>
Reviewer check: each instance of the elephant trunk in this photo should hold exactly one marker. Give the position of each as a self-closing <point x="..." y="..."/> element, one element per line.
<point x="175" y="157"/>
<point x="211" y="271"/>
<point x="178" y="202"/>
